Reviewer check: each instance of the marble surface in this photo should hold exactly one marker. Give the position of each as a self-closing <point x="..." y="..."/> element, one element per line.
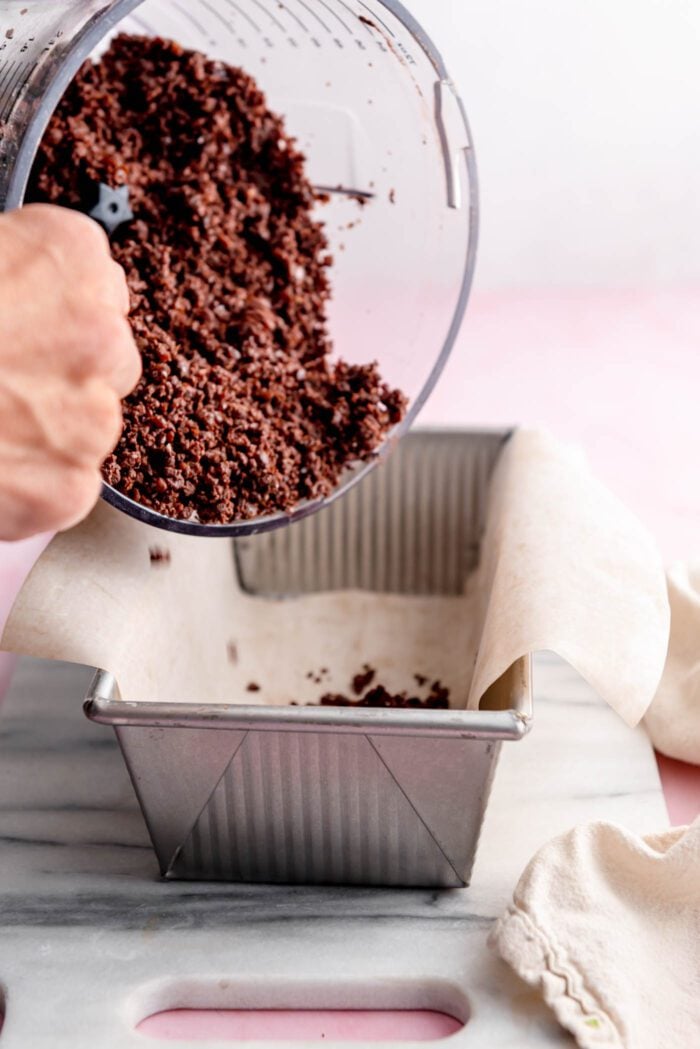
<point x="93" y="941"/>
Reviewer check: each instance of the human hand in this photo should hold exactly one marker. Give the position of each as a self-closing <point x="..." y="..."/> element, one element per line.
<point x="67" y="357"/>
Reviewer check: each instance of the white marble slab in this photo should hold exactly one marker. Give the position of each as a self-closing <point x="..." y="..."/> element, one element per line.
<point x="92" y="940"/>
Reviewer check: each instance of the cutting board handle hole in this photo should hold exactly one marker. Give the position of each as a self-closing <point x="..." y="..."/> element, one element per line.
<point x="302" y="1025"/>
<point x="335" y="1008"/>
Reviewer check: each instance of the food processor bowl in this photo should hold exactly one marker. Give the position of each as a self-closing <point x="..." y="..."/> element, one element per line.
<point x="367" y="96"/>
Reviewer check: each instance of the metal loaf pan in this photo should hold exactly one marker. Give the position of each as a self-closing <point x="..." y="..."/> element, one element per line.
<point x="336" y="795"/>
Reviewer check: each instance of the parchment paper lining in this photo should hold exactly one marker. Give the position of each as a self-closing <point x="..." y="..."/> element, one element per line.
<point x="564" y="567"/>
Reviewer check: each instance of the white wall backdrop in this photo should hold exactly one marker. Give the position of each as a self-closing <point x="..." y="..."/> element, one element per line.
<point x="586" y="118"/>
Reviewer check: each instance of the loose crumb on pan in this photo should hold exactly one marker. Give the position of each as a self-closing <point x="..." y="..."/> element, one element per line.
<point x="240" y="411"/>
<point x="252" y="686"/>
<point x="438" y="697"/>
<point x="159" y="556"/>
<point x="363" y="680"/>
<point x="317" y="676"/>
<point x="379" y="696"/>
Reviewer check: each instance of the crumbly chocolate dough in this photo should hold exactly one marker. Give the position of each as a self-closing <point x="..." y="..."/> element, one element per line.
<point x="158" y="556"/>
<point x="240" y="411"/>
<point x="438" y="697"/>
<point x="379" y="696"/>
<point x="363" y="680"/>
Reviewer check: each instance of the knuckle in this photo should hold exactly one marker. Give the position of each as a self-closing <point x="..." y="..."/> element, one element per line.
<point x="113" y="428"/>
<point x="82" y="427"/>
<point x="70" y="243"/>
<point x="120" y="284"/>
<point x="112" y="332"/>
<point x="70" y="229"/>
<point x="41" y="220"/>
<point x="80" y="491"/>
<point x="106" y="286"/>
<point x="108" y="423"/>
<point x="119" y="355"/>
<point x="83" y="233"/>
<point x="49" y="494"/>
<point x="29" y="513"/>
<point x="101" y="340"/>
<point x="134" y="369"/>
<point x="20" y="527"/>
<point x="79" y="341"/>
<point x="40" y="507"/>
<point x="103" y="416"/>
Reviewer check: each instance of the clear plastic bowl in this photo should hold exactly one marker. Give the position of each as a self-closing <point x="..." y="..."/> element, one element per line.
<point x="368" y="98"/>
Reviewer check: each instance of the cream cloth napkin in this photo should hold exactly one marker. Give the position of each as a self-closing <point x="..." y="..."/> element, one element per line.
<point x="673" y="720"/>
<point x="607" y="926"/>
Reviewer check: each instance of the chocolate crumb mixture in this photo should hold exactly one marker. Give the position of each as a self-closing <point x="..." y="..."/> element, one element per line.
<point x="438" y="697"/>
<point x="363" y="680"/>
<point x="240" y="411"/>
<point x="379" y="696"/>
<point x="158" y="556"/>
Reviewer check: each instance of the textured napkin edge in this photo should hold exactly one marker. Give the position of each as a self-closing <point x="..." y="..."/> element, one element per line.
<point x="672" y="720"/>
<point x="542" y="963"/>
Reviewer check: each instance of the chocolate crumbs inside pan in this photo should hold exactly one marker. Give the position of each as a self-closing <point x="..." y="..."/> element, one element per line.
<point x="363" y="680"/>
<point x="438" y="697"/>
<point x="379" y="696"/>
<point x="240" y="411"/>
<point x="158" y="556"/>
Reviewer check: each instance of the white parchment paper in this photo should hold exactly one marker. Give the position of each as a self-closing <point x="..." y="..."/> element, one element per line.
<point x="564" y="566"/>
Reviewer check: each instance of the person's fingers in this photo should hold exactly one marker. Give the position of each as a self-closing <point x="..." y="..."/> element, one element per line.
<point x="43" y="498"/>
<point x="68" y="358"/>
<point x="70" y="230"/>
<point x="103" y="417"/>
<point x="108" y="287"/>
<point x="78" y="247"/>
<point x="121" y="351"/>
<point x="72" y="273"/>
<point x="74" y="242"/>
<point x="85" y="425"/>
<point x="76" y="424"/>
<point x="99" y="344"/>
<point x="81" y="490"/>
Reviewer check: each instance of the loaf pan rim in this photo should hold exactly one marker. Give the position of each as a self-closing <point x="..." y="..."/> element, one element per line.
<point x="101" y="706"/>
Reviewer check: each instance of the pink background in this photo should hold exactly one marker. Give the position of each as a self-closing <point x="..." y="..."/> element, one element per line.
<point x="590" y="169"/>
<point x="618" y="372"/>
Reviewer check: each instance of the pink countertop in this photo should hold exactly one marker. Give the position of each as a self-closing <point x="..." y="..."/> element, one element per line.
<point x="617" y="372"/>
